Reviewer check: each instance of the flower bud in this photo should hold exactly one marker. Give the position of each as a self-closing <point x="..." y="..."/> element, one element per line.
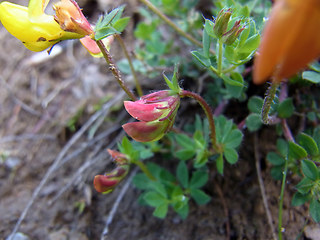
<point x="70" y="18"/>
<point x="229" y="37"/>
<point x="107" y="182"/>
<point x="156" y="113"/>
<point x="221" y="22"/>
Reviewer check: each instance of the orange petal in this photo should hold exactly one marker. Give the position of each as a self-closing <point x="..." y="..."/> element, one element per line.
<point x="290" y="39"/>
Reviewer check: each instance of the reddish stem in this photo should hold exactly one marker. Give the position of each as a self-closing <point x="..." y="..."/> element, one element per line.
<point x="206" y="108"/>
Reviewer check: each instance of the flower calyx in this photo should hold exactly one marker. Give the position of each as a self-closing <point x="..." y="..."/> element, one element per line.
<point x="70" y="18"/>
<point x="230" y="36"/>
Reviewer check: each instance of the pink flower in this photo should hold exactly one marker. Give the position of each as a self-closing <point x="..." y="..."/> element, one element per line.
<point x="156" y="113"/>
<point x="107" y="182"/>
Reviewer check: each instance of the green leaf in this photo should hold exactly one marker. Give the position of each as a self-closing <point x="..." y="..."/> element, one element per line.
<point x="199" y="140"/>
<point x="231" y="155"/>
<point x="315" y="66"/>
<point x="199" y="178"/>
<point x="277" y="172"/>
<point x="199" y="196"/>
<point x="308" y="144"/>
<point x="230" y="81"/>
<point x="161" y="211"/>
<point x="233" y="139"/>
<point x="154" y="169"/>
<point x="296" y="151"/>
<point x="314" y="210"/>
<point x="282" y="147"/>
<point x="299" y="199"/>
<point x="208" y="27"/>
<point x="305" y="185"/>
<point x="202" y="59"/>
<point x="244" y="36"/>
<point x="184" y="141"/>
<point x="183" y="174"/>
<point x="184" y="211"/>
<point x="121" y="24"/>
<point x="154" y="199"/>
<point x="229" y="53"/>
<point x="185" y="154"/>
<point x="168" y="81"/>
<point x="141" y="181"/>
<point x="275" y="159"/>
<point x="206" y="44"/>
<point x="316" y="136"/>
<point x="309" y="169"/>
<point x="253" y="122"/>
<point x="311" y="76"/>
<point x="220" y="163"/>
<point x="255" y="104"/>
<point x="201" y="158"/>
<point x="105" y="25"/>
<point x="159" y="188"/>
<point x="250" y="45"/>
<point x="108" y="18"/>
<point x="144" y="30"/>
<point x="285" y="108"/>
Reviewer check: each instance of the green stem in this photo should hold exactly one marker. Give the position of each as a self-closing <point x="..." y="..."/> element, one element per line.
<point x="271" y="93"/>
<point x="144" y="169"/>
<point x="170" y="23"/>
<point x="126" y="53"/>
<point x="281" y="199"/>
<point x="214" y="70"/>
<point x="114" y="69"/>
<point x="219" y="63"/>
<point x="229" y="69"/>
<point x="206" y="108"/>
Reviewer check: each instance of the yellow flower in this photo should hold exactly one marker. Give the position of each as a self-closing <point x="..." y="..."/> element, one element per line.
<point x="290" y="40"/>
<point x="37" y="30"/>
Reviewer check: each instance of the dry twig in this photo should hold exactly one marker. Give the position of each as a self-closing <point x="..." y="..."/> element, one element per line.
<point x="262" y="189"/>
<point x="60" y="157"/>
<point x="116" y="205"/>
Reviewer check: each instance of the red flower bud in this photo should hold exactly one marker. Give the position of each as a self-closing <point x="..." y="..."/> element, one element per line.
<point x="107" y="182"/>
<point x="229" y="37"/>
<point x="156" y="112"/>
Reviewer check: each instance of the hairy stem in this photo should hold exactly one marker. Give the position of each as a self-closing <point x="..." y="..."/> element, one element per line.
<point x="114" y="70"/>
<point x="206" y="108"/>
<point x="271" y="93"/>
<point x="170" y="23"/>
<point x="126" y="53"/>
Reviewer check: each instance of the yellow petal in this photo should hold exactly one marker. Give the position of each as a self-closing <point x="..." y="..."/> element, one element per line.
<point x="36" y="8"/>
<point x="37" y="35"/>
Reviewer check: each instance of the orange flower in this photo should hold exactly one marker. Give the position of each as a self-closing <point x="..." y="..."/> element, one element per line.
<point x="71" y="18"/>
<point x="291" y="40"/>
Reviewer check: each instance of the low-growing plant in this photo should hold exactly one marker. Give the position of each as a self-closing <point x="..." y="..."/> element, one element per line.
<point x="221" y="46"/>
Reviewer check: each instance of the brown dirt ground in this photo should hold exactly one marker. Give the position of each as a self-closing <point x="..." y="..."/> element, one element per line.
<point x="36" y="102"/>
